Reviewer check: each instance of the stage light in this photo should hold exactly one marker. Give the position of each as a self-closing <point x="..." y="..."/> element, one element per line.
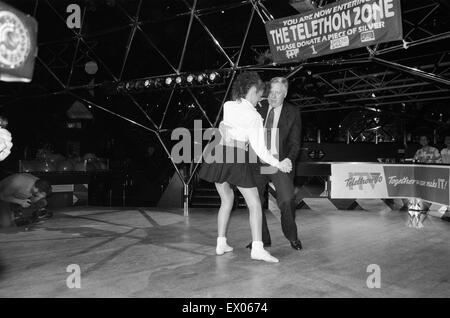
<point x="178" y="81"/>
<point x="148" y="83"/>
<point x="190" y="79"/>
<point x="168" y="81"/>
<point x="213" y="76"/>
<point x="201" y="78"/>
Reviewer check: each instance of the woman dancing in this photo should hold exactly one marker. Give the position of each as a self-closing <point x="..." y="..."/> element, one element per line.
<point x="241" y="125"/>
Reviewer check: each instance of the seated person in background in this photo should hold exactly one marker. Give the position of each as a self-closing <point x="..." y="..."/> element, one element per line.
<point x="427" y="154"/>
<point x="445" y="153"/>
<point x="21" y="194"/>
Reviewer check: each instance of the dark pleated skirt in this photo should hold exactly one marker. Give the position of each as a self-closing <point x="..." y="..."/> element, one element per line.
<point x="233" y="167"/>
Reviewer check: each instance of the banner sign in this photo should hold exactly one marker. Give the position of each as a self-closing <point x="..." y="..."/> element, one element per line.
<point x="379" y="181"/>
<point x="358" y="181"/>
<point x="340" y="26"/>
<point x="428" y="183"/>
<point x="18" y="49"/>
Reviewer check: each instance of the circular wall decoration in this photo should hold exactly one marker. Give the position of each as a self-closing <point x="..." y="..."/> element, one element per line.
<point x="15" y="41"/>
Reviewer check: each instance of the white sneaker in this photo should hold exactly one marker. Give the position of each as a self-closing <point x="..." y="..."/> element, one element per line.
<point x="222" y="246"/>
<point x="260" y="254"/>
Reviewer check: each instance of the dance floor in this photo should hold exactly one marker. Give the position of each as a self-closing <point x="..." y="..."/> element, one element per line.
<point x="149" y="252"/>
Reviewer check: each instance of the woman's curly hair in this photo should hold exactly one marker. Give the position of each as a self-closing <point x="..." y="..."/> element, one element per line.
<point x="244" y="82"/>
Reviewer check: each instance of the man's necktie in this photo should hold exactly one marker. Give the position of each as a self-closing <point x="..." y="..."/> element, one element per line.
<point x="269" y="126"/>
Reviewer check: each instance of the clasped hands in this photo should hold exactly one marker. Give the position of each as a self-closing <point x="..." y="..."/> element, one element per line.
<point x="285" y="165"/>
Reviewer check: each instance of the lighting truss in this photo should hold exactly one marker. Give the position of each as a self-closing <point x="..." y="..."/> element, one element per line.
<point x="174" y="81"/>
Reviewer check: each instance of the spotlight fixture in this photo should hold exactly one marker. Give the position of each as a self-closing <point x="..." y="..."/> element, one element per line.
<point x="213" y="77"/>
<point x="190" y="79"/>
<point x="168" y="81"/>
<point x="148" y="83"/>
<point x="178" y="80"/>
<point x="201" y="78"/>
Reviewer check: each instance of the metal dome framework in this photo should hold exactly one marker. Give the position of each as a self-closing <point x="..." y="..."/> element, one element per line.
<point x="366" y="78"/>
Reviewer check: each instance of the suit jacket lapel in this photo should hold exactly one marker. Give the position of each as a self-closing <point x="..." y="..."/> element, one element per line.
<point x="284" y="118"/>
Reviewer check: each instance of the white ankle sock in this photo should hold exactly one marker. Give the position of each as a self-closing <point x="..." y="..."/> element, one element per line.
<point x="257" y="245"/>
<point x="222" y="246"/>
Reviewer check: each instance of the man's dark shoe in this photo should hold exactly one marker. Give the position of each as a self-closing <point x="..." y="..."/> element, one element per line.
<point x="265" y="245"/>
<point x="296" y="245"/>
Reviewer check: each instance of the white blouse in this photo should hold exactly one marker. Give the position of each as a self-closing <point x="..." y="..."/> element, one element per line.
<point x="244" y="124"/>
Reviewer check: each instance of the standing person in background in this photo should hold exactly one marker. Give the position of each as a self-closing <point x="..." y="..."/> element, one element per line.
<point x="445" y="153"/>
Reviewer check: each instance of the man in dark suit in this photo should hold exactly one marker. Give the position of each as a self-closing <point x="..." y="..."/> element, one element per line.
<point x="283" y="125"/>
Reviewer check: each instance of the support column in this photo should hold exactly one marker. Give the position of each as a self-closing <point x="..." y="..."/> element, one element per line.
<point x="186" y="199"/>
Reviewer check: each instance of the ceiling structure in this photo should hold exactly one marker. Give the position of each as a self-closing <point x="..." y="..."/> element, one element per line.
<point x="131" y="41"/>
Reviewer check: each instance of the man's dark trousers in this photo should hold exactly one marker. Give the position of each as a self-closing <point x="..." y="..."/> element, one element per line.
<point x="284" y="186"/>
<point x="288" y="146"/>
